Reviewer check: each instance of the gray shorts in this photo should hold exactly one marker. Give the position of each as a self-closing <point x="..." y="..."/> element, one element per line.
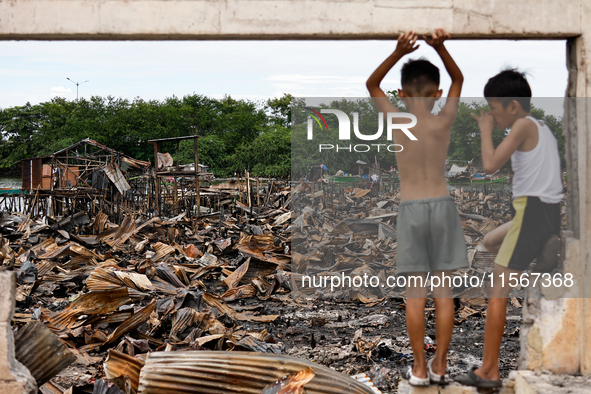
<point x="430" y="236"/>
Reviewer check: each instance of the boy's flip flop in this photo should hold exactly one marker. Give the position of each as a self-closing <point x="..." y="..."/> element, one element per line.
<point x="436" y="378"/>
<point x="471" y="379"/>
<point x="548" y="258"/>
<point x="413" y="380"/>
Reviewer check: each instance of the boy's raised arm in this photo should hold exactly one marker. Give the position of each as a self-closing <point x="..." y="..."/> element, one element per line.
<point x="457" y="79"/>
<point x="406" y="44"/>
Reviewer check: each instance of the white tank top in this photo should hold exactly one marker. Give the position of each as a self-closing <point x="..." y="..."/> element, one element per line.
<point x="537" y="172"/>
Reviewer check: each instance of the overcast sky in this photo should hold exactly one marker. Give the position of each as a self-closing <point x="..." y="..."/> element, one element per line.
<point x="35" y="71"/>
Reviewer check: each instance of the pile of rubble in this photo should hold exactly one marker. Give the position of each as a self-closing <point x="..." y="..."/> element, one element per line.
<point x="143" y="286"/>
<point x="126" y="301"/>
<point x="355" y="233"/>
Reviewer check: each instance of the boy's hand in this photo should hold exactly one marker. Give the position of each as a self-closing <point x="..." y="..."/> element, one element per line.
<point x="407" y="43"/>
<point x="437" y="38"/>
<point x="486" y="122"/>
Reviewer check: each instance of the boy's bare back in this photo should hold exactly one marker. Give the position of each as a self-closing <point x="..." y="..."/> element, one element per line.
<point x="421" y="163"/>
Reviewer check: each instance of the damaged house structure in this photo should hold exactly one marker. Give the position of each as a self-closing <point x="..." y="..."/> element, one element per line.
<point x="90" y="177"/>
<point x="86" y="176"/>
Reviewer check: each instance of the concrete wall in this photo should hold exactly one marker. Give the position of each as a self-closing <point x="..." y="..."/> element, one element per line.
<point x="15" y="378"/>
<point x="305" y="19"/>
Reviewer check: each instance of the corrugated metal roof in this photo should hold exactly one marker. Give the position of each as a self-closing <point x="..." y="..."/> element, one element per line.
<point x="116" y="176"/>
<point x="42" y="352"/>
<point x="93" y="303"/>
<point x="220" y="372"/>
<point x="136" y="320"/>
<point x="119" y="364"/>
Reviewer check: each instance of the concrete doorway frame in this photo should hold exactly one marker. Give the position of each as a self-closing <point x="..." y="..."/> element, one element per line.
<point x="543" y="347"/>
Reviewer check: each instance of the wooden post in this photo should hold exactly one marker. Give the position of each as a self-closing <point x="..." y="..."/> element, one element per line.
<point x="51" y="179"/>
<point x="197" y="186"/>
<point x="177" y="156"/>
<point x="221" y="213"/>
<point x="157" y="185"/>
<point x="240" y="185"/>
<point x="248" y="191"/>
<point x="178" y="168"/>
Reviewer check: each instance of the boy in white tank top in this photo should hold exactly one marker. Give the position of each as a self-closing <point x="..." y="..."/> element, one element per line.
<point x="537" y="192"/>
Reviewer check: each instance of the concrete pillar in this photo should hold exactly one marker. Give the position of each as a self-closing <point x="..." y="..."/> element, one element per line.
<point x="556" y="334"/>
<point x="550" y="329"/>
<point x="583" y="51"/>
<point x="14" y="377"/>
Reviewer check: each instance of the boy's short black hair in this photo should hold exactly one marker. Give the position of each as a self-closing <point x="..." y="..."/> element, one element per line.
<point x="509" y="85"/>
<point x="418" y="74"/>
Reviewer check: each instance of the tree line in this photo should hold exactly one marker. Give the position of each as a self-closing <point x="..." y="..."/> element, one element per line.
<point x="237" y="135"/>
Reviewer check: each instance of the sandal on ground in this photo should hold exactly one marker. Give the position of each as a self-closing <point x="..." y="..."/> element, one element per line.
<point x="471" y="379"/>
<point x="548" y="258"/>
<point x="436" y="378"/>
<point x="413" y="380"/>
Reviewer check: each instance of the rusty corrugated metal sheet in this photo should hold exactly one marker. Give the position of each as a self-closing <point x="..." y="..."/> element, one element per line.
<point x="44" y="266"/>
<point x="182" y="319"/>
<point x="58" y="252"/>
<point x="102" y="279"/>
<point x="125" y="230"/>
<point x="116" y="176"/>
<point x="107" y="278"/>
<point x="291" y="384"/>
<point x="119" y="364"/>
<point x="135" y="281"/>
<point x="164" y="272"/>
<point x="237" y="293"/>
<point x="358" y="193"/>
<point x="136" y="320"/>
<point x="93" y="303"/>
<point x="162" y="250"/>
<point x="41" y="351"/>
<point x="221" y="306"/>
<point x="487" y="226"/>
<point x="215" y="372"/>
<point x="51" y="388"/>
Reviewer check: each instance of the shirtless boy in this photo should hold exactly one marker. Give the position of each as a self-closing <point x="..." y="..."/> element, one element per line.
<point x="430" y="235"/>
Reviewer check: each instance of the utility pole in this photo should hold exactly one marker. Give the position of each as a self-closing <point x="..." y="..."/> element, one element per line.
<point x="77" y="84"/>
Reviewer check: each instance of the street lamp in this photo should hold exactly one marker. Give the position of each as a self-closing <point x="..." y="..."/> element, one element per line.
<point x="77" y="84"/>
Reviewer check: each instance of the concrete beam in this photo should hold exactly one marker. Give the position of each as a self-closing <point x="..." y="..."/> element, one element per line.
<point x="281" y="19"/>
<point x="454" y="388"/>
<point x="14" y="377"/>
